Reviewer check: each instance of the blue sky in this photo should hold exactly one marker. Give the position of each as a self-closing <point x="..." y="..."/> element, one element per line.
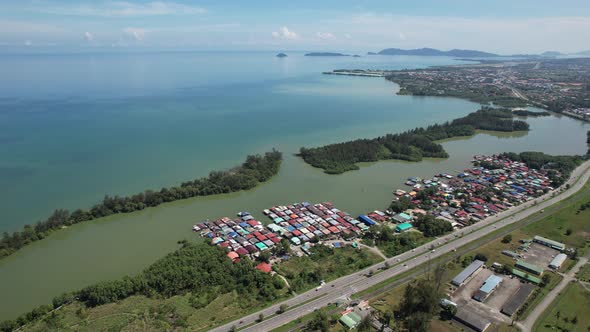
<point x="503" y="26"/>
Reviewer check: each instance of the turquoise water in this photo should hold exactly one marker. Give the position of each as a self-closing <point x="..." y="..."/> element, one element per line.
<point x="76" y="127"/>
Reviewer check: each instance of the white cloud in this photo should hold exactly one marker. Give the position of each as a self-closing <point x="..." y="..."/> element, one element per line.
<point x="284" y="33"/>
<point x="501" y="35"/>
<point x="125" y="9"/>
<point x="138" y="34"/>
<point x="89" y="36"/>
<point x="325" y="35"/>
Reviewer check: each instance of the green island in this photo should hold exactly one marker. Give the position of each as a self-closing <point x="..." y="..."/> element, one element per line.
<point x="412" y="145"/>
<point x="254" y="170"/>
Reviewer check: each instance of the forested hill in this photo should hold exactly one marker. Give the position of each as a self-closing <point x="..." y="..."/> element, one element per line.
<point x="412" y="145"/>
<point x="254" y="170"/>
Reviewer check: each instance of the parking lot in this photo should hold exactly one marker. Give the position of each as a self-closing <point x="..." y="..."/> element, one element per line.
<point x="539" y="255"/>
<point x="491" y="307"/>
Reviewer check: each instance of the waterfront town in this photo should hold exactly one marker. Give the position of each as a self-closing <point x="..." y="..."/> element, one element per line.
<point x="492" y="185"/>
<point x="557" y="85"/>
<point x="482" y="294"/>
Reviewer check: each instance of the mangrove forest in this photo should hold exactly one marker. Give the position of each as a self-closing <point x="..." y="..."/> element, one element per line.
<point x="412" y="145"/>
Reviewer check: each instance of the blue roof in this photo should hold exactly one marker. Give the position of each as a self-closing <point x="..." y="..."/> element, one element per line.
<point x="368" y="221"/>
<point x="243" y="224"/>
<point x="490" y="283"/>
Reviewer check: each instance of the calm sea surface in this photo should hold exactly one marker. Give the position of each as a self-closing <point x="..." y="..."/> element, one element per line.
<point x="76" y="127"/>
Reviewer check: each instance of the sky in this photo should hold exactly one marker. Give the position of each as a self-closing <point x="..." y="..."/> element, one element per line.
<point x="500" y="26"/>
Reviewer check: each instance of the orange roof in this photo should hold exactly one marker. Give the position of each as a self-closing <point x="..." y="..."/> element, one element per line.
<point x="264" y="267"/>
<point x="233" y="255"/>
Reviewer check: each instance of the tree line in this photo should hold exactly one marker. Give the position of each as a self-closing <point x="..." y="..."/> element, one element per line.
<point x="412" y="145"/>
<point x="196" y="268"/>
<point x="254" y="170"/>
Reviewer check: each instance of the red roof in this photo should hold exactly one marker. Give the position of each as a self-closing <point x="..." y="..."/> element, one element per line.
<point x="242" y="251"/>
<point x="252" y="223"/>
<point x="264" y="267"/>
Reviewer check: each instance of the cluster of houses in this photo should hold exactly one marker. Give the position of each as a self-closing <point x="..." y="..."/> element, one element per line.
<point x="241" y="237"/>
<point x="300" y="224"/>
<point x="493" y="185"/>
<point x="303" y="222"/>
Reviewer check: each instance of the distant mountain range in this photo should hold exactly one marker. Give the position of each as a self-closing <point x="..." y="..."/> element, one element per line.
<point x="435" y="52"/>
<point x="467" y="53"/>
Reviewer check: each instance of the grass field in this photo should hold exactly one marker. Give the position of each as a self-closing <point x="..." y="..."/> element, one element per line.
<point x="326" y="266"/>
<point x="139" y="313"/>
<point x="574" y="302"/>
<point x="584" y="273"/>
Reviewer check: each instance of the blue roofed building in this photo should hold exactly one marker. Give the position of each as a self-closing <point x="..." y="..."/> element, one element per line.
<point x="491" y="283"/>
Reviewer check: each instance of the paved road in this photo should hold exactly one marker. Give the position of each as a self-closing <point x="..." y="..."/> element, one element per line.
<point x="529" y="322"/>
<point x="353" y="283"/>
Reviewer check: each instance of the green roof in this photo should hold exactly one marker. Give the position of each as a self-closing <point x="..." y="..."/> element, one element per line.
<point x="261" y="246"/>
<point x="405" y="216"/>
<point x="530" y="267"/>
<point x="350" y="320"/>
<point x="403" y="227"/>
<point x="526" y="276"/>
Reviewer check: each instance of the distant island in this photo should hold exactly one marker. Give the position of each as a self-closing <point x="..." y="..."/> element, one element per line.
<point x="325" y="54"/>
<point x="281" y="55"/>
<point x="435" y="52"/>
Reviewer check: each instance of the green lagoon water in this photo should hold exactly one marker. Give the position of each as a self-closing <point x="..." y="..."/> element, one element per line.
<point x="121" y="124"/>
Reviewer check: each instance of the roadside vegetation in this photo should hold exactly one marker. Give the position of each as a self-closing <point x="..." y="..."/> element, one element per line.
<point x="325" y="264"/>
<point x="254" y="170"/>
<point x="412" y="145"/>
<point x="196" y="275"/>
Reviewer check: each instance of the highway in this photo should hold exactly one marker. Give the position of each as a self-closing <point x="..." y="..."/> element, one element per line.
<point x="307" y="302"/>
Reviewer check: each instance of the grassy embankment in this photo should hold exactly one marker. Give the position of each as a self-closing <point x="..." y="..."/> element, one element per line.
<point x="140" y="313"/>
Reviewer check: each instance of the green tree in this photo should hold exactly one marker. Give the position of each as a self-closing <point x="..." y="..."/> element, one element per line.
<point x="507" y="238"/>
<point x="365" y="324"/>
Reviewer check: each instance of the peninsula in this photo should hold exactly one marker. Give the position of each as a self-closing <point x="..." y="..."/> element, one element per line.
<point x="256" y="169"/>
<point x="412" y="145"/>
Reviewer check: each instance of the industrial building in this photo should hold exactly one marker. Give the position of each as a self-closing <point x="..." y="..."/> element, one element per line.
<point x="558" y="261"/>
<point x="472" y="320"/>
<point x="549" y="243"/>
<point x="467" y="273"/>
<point x="526" y="276"/>
<point x="530" y="268"/>
<point x="517" y="300"/>
<point x="491" y="283"/>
